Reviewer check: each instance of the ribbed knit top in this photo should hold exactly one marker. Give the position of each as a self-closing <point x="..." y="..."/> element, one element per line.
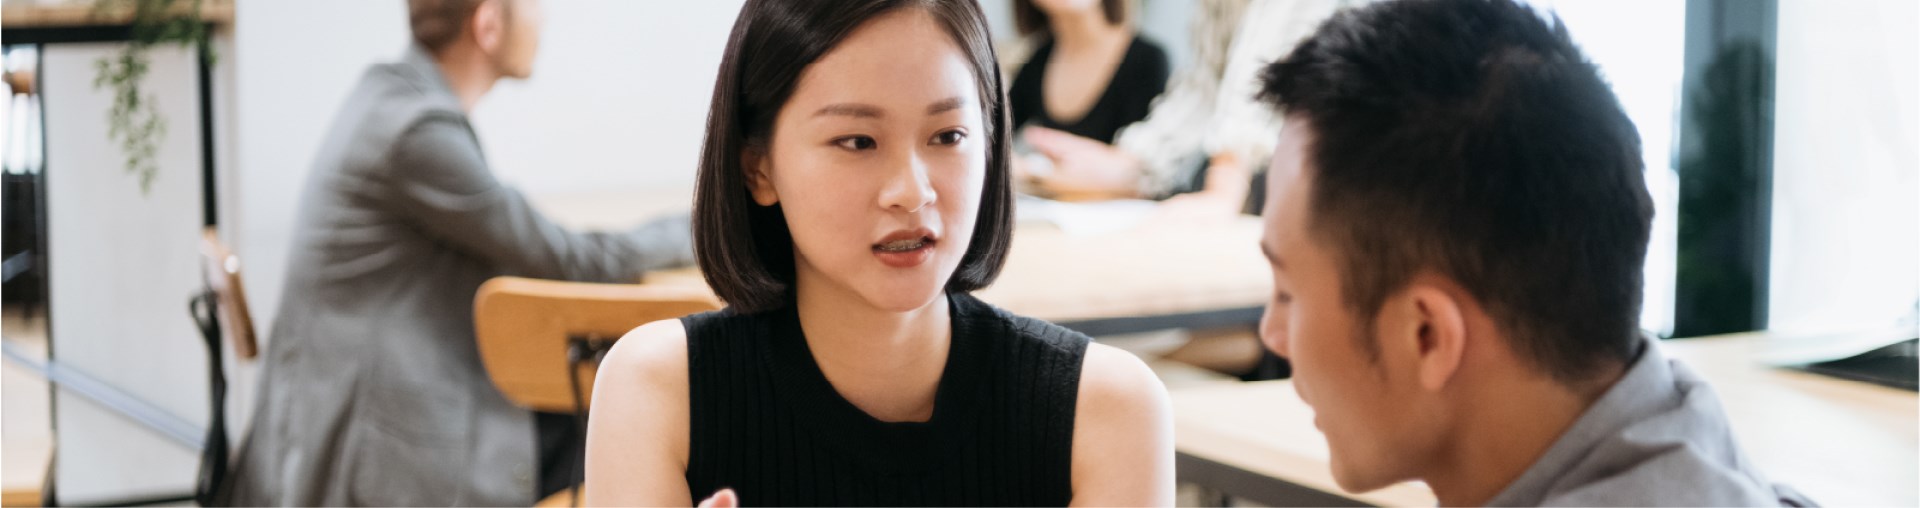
<point x="767" y="423"/>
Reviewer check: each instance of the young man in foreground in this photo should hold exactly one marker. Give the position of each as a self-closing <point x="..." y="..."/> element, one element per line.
<point x="1457" y="228"/>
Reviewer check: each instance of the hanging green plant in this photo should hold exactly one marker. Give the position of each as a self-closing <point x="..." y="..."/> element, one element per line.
<point x="134" y="122"/>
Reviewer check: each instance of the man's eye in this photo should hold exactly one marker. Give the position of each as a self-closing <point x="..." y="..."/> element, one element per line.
<point x="855" y="143"/>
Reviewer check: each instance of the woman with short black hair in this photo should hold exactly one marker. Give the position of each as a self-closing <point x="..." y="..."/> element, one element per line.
<point x="853" y="190"/>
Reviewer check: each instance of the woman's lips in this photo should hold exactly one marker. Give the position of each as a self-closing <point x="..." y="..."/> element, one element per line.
<point x="906" y="248"/>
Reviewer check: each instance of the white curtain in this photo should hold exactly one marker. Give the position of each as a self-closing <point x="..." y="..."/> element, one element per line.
<point x="1846" y="199"/>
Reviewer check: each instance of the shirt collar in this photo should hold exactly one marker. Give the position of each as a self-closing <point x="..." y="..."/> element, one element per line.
<point x="1643" y="390"/>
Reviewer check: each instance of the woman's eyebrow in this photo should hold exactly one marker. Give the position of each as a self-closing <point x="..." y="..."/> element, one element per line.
<point x="855" y="110"/>
<point x="858" y="110"/>
<point x="943" y="105"/>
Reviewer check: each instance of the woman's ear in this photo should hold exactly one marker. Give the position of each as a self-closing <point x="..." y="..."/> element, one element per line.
<point x="759" y="169"/>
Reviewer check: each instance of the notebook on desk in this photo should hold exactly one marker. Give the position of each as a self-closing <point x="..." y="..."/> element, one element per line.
<point x="1880" y="355"/>
<point x="1894" y="365"/>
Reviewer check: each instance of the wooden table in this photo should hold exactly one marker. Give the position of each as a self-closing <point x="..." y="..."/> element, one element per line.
<point x="1155" y="276"/>
<point x="1842" y="443"/>
<point x="76" y="13"/>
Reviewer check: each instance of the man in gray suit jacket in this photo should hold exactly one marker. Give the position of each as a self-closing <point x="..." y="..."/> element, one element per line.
<point x="373" y="392"/>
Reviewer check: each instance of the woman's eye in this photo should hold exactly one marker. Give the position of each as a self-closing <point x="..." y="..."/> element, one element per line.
<point x="952" y="137"/>
<point x="855" y="143"/>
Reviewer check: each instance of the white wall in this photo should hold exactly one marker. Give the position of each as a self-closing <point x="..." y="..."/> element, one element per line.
<point x="1846" y="174"/>
<point x="122" y="264"/>
<point x="618" y="98"/>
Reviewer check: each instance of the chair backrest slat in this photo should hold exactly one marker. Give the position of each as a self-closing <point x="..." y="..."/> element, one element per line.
<point x="222" y="271"/>
<point x="524" y="327"/>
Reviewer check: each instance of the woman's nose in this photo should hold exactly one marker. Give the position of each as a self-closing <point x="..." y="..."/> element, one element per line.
<point x="909" y="188"/>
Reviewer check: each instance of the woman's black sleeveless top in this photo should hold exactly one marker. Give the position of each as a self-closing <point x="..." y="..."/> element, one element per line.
<point x="766" y="422"/>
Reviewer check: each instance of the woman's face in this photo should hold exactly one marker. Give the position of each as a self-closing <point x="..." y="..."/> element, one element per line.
<point x="878" y="160"/>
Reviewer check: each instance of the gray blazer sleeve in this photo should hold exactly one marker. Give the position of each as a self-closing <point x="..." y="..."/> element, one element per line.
<point x="438" y="180"/>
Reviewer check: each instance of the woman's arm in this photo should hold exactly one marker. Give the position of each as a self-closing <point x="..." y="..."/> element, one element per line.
<point x="637" y="437"/>
<point x="1122" y="433"/>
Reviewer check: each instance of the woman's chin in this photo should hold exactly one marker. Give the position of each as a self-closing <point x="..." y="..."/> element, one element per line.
<point x="901" y="298"/>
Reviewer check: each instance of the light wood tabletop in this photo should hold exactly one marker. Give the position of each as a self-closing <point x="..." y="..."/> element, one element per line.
<point x="1842" y="443"/>
<point x="75" y="13"/>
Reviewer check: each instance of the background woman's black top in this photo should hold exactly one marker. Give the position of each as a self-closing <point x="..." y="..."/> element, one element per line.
<point x="1141" y="76"/>
<point x="767" y="423"/>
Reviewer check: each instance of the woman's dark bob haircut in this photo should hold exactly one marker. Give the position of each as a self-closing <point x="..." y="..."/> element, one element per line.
<point x="744" y="249"/>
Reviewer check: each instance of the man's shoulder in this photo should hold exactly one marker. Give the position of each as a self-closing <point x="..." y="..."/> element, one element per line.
<point x="1682" y="454"/>
<point x="1677" y="476"/>
<point x="390" y="99"/>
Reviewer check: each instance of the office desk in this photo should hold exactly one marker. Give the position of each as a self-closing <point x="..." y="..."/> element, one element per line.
<point x="1153" y="276"/>
<point x="1840" y="442"/>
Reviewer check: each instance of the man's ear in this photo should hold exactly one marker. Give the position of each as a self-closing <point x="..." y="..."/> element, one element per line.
<point x="489" y="26"/>
<point x="759" y="169"/>
<point x="1427" y="319"/>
